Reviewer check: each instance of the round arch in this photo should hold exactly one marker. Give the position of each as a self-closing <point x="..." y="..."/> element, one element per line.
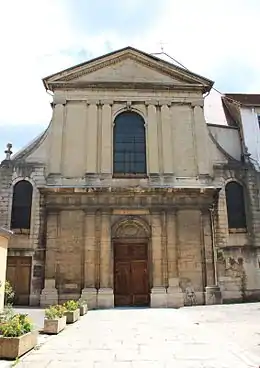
<point x="131" y="227"/>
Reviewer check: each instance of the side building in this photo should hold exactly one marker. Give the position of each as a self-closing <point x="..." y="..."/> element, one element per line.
<point x="129" y="198"/>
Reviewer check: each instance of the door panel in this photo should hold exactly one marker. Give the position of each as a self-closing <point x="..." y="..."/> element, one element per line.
<point x="131" y="284"/>
<point x="122" y="283"/>
<point x="19" y="275"/>
<point x="139" y="283"/>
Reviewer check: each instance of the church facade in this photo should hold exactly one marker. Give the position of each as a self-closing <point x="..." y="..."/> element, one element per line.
<point x="129" y="198"/>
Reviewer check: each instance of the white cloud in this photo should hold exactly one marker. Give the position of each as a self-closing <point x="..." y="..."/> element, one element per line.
<point x="201" y="34"/>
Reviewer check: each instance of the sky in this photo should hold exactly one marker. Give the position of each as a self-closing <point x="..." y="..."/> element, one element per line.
<point x="216" y="39"/>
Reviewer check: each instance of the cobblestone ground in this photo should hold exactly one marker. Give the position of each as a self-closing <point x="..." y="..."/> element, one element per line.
<point x="211" y="337"/>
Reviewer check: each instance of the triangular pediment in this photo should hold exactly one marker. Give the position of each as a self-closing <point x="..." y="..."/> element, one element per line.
<point x="127" y="65"/>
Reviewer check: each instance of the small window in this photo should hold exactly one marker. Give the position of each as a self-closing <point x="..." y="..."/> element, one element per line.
<point x="258" y="116"/>
<point x="235" y="206"/>
<point x="21" y="206"/>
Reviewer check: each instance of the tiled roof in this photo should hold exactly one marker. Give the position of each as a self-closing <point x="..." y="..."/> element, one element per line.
<point x="245" y="99"/>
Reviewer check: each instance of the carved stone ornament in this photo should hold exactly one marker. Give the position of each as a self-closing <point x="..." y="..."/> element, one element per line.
<point x="131" y="228"/>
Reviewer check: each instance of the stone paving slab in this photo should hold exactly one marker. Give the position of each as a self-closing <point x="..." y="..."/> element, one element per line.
<point x="195" y="337"/>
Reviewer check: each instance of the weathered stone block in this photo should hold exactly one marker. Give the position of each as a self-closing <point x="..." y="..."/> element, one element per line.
<point x="83" y="309"/>
<point x="72" y="316"/>
<point x="158" y="297"/>
<point x="54" y="326"/>
<point x="105" y="298"/>
<point x="13" y="347"/>
<point x="213" y="295"/>
<point x="90" y="295"/>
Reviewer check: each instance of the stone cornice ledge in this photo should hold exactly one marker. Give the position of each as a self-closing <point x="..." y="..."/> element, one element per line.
<point x="4" y="233"/>
<point x="127" y="85"/>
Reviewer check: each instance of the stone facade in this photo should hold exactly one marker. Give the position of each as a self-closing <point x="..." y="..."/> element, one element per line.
<point x="81" y="210"/>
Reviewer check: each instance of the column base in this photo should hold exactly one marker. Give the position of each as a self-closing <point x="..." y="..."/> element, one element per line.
<point x="49" y="295"/>
<point x="90" y="295"/>
<point x="175" y="296"/>
<point x="105" y="298"/>
<point x="213" y="295"/>
<point x="158" y="297"/>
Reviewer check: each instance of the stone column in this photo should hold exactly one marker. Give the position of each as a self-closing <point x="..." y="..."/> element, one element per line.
<point x="49" y="295"/>
<point x="202" y="138"/>
<point x="4" y="239"/>
<point x="105" y="293"/>
<point x="92" y="138"/>
<point x="106" y="132"/>
<point x="158" y="292"/>
<point x="56" y="137"/>
<point x="175" y="296"/>
<point x="152" y="141"/>
<point x="89" y="293"/>
<point x="212" y="291"/>
<point x="167" y="142"/>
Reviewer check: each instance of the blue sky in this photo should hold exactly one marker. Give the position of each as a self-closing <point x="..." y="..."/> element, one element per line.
<point x="217" y="39"/>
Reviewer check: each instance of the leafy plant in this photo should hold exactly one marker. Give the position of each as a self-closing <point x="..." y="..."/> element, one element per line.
<point x="82" y="302"/>
<point x="71" y="305"/>
<point x="9" y="294"/>
<point x="7" y="313"/>
<point x="16" y="326"/>
<point x="55" y="312"/>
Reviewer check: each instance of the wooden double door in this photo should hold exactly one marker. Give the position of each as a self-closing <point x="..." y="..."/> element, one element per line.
<point x="131" y="279"/>
<point x="19" y="274"/>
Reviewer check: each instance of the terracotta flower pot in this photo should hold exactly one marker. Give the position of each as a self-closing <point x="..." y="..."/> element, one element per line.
<point x="13" y="347"/>
<point x="72" y="316"/>
<point x="54" y="326"/>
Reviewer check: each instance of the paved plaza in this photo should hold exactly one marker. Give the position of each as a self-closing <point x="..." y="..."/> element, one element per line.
<point x="225" y="336"/>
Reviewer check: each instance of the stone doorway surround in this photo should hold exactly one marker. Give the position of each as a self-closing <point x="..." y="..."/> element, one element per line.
<point x="129" y="232"/>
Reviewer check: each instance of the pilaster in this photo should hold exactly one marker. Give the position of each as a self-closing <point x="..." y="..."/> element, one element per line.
<point x="92" y="138"/>
<point x="105" y="297"/>
<point x="201" y="138"/>
<point x="158" y="292"/>
<point x="56" y="137"/>
<point x="49" y="295"/>
<point x="152" y="140"/>
<point x="106" y="132"/>
<point x="167" y="142"/>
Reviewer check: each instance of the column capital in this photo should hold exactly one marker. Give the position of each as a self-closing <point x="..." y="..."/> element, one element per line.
<point x="165" y="103"/>
<point x="106" y="102"/>
<point x="151" y="103"/>
<point x="59" y="101"/>
<point x="93" y="102"/>
<point x="197" y="103"/>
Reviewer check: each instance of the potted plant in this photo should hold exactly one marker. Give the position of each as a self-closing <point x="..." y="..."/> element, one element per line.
<point x="16" y="336"/>
<point x="83" y="307"/>
<point x="9" y="294"/>
<point x="72" y="311"/>
<point x="55" y="319"/>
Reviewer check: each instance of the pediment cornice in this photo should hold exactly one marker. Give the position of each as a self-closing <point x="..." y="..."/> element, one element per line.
<point x="180" y="76"/>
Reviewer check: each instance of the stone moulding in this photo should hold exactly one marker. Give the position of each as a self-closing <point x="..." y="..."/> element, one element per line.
<point x="14" y="347"/>
<point x="54" y="326"/>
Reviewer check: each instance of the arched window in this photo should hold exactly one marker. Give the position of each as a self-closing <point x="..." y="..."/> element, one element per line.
<point x="235" y="205"/>
<point x="21" y="206"/>
<point x="129" y="156"/>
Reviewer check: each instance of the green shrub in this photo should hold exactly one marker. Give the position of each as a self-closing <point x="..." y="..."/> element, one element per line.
<point x="55" y="312"/>
<point x="82" y="302"/>
<point x="9" y="294"/>
<point x="16" y="326"/>
<point x="71" y="305"/>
